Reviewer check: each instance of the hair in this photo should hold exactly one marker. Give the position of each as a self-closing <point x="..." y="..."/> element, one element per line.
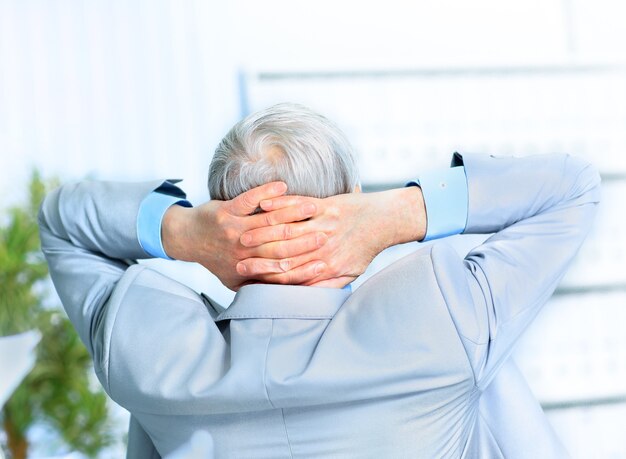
<point x="285" y="142"/>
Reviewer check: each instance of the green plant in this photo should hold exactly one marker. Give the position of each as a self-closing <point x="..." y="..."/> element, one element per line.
<point x="58" y="391"/>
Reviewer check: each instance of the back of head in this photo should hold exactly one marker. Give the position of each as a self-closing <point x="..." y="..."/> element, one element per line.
<point x="285" y="142"/>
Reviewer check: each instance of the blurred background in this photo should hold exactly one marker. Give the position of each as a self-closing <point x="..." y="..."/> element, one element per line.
<point x="139" y="89"/>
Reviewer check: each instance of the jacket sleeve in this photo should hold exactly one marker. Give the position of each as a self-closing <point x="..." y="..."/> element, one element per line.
<point x="540" y="209"/>
<point x="89" y="237"/>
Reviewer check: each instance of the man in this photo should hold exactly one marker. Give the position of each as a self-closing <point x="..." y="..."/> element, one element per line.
<point x="397" y="368"/>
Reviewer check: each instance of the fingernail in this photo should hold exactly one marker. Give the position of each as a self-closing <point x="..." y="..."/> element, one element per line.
<point x="284" y="265"/>
<point x="266" y="204"/>
<point x="319" y="268"/>
<point x="280" y="187"/>
<point x="242" y="269"/>
<point x="309" y="208"/>
<point x="246" y="239"/>
<point x="321" y="239"/>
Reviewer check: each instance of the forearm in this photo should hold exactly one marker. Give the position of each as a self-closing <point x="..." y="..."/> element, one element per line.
<point x="507" y="190"/>
<point x="100" y="217"/>
<point x="87" y="231"/>
<point x="540" y="208"/>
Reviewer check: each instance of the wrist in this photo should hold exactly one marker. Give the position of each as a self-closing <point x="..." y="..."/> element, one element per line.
<point x="408" y="215"/>
<point x="174" y="227"/>
<point x="396" y="216"/>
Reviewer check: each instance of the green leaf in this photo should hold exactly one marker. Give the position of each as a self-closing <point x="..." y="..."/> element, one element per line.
<point x="59" y="390"/>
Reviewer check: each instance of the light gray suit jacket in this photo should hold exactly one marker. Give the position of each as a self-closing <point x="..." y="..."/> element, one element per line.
<point x="396" y="369"/>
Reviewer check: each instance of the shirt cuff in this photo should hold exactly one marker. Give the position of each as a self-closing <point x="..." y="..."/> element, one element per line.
<point x="446" y="201"/>
<point x="150" y="218"/>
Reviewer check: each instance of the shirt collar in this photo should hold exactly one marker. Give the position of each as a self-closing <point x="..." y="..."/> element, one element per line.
<point x="270" y="301"/>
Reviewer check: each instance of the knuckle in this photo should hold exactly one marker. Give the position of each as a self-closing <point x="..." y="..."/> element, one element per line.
<point x="286" y="232"/>
<point x="268" y="219"/>
<point x="246" y="200"/>
<point x="232" y="234"/>
<point x="247" y="239"/>
<point x="334" y="212"/>
<point x="285" y="265"/>
<point x="314" y="241"/>
<point x="221" y="217"/>
<point x="271" y="267"/>
<point x="332" y="268"/>
<point x="320" y="239"/>
<point x="240" y="253"/>
<point x="253" y="267"/>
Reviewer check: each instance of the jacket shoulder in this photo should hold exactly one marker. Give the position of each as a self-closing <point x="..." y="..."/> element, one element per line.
<point x="152" y="279"/>
<point x="146" y="310"/>
<point x="407" y="300"/>
<point x="437" y="275"/>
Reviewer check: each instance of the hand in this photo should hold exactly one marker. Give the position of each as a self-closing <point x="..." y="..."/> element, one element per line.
<point x="210" y="234"/>
<point x="358" y="227"/>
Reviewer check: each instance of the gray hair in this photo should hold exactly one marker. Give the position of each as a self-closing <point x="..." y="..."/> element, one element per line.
<point x="286" y="142"/>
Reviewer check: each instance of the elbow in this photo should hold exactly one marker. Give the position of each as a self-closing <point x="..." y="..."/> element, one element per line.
<point x="585" y="188"/>
<point x="48" y="218"/>
<point x="42" y="215"/>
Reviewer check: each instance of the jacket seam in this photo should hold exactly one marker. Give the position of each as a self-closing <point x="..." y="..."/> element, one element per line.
<point x="267" y="350"/>
<point x="477" y="266"/>
<point x="490" y="427"/>
<point x="267" y="394"/>
<point x="282" y="412"/>
<point x="459" y="334"/>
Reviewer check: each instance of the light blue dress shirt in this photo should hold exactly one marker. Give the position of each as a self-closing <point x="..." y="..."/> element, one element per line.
<point x="444" y="190"/>
<point x="446" y="201"/>
<point x="150" y="216"/>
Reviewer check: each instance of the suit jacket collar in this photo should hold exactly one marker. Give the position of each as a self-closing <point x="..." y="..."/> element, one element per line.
<point x="268" y="301"/>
